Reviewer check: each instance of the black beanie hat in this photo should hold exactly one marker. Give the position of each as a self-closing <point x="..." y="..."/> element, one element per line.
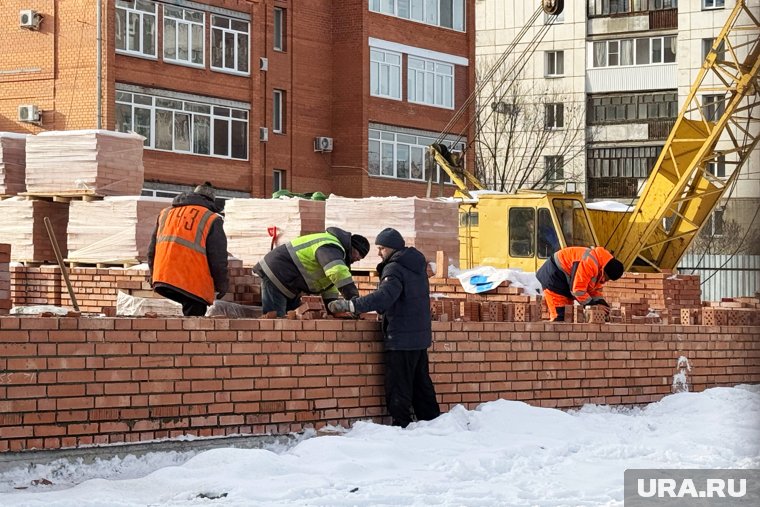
<point x="360" y="244"/>
<point x="614" y="269"/>
<point x="390" y="238"/>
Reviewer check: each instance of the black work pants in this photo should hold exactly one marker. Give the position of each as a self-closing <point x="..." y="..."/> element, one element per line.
<point x="409" y="391"/>
<point x="191" y="307"/>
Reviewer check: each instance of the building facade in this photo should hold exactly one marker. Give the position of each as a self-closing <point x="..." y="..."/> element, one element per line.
<point x="336" y="96"/>
<point x="624" y="68"/>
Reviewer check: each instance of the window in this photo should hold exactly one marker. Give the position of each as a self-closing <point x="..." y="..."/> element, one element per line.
<point x="573" y="222"/>
<point x="430" y="82"/>
<point x="405" y="156"/>
<point x="184" y="31"/>
<point x="713" y="4"/>
<point x="136" y="27"/>
<point x="626" y="52"/>
<point x="717" y="222"/>
<point x="555" y="63"/>
<point x="622" y="162"/>
<point x="278" y="112"/>
<point x="278" y="180"/>
<point x="522" y="229"/>
<point x="230" y="45"/>
<point x="554" y="116"/>
<point x="707" y="44"/>
<point x="609" y="7"/>
<point x="548" y="243"/>
<point x="555" y="19"/>
<point x="443" y="13"/>
<point x="385" y="74"/>
<point x="279" y="29"/>
<point x="713" y="106"/>
<point x="554" y="167"/>
<point x="620" y="108"/>
<point x="184" y="126"/>
<point x="717" y="167"/>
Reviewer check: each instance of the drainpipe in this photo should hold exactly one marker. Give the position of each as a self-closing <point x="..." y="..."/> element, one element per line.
<point x="99" y="66"/>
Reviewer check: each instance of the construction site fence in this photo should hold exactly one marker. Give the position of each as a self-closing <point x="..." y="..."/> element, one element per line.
<point x="724" y="276"/>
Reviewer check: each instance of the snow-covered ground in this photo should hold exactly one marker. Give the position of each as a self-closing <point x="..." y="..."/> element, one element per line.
<point x="502" y="454"/>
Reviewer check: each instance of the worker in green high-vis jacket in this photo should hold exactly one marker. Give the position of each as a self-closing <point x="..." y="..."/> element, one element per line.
<point x="312" y="264"/>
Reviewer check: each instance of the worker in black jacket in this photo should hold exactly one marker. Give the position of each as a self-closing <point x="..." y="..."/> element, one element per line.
<point x="403" y="299"/>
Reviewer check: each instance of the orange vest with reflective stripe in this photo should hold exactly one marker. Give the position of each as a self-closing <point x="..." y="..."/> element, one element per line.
<point x="180" y="259"/>
<point x="584" y="269"/>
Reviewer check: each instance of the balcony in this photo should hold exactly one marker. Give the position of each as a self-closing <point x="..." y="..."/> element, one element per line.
<point x="612" y="188"/>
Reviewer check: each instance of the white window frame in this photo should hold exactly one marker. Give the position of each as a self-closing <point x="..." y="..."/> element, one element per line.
<point x="278" y="180"/>
<point x="718" y="167"/>
<point x="554" y="116"/>
<point x="131" y="10"/>
<point x="278" y="111"/>
<point x="380" y="69"/>
<point x="551" y="162"/>
<point x="635" y="44"/>
<point x="552" y="58"/>
<point x="194" y="110"/>
<point x="713" y="4"/>
<point x="437" y="78"/>
<point x="236" y="34"/>
<point x="713" y="106"/>
<point x="278" y="30"/>
<point x="192" y="35"/>
<point x="717" y="222"/>
<point x="416" y="147"/>
<point x="423" y="11"/>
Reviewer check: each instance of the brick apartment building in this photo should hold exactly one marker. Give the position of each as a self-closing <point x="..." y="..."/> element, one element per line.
<point x="338" y="96"/>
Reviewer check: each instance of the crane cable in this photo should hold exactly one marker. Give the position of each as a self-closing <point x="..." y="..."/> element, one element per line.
<point x="491" y="72"/>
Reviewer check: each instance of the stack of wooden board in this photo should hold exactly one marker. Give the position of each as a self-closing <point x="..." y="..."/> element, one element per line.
<point x="85" y="162"/>
<point x="428" y="225"/>
<point x="23" y="227"/>
<point x="116" y="230"/>
<point x="12" y="163"/>
<point x="248" y="222"/>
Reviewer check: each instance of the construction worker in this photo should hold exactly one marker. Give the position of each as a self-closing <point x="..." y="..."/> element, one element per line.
<point x="311" y="264"/>
<point x="403" y="299"/>
<point x="577" y="273"/>
<point x="188" y="251"/>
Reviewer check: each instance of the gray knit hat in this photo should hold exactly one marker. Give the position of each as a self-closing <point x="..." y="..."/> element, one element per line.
<point x="390" y="238"/>
<point x="206" y="190"/>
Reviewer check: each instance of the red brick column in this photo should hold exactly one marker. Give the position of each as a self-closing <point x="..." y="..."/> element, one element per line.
<point x="5" y="278"/>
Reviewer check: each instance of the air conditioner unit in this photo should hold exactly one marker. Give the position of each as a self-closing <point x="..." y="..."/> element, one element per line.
<point x="28" y="113"/>
<point x="264" y="64"/>
<point x="263" y="134"/>
<point x="29" y="19"/>
<point x="323" y="144"/>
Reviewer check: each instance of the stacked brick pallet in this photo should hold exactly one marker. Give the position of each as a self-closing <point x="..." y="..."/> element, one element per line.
<point x="12" y="163"/>
<point x="116" y="230"/>
<point x="665" y="293"/>
<point x="99" y="162"/>
<point x="426" y="224"/>
<point x="250" y="224"/>
<point x="22" y="226"/>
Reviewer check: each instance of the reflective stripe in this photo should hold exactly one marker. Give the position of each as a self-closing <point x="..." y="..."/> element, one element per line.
<point x="202" y="226"/>
<point x="334" y="263"/>
<point x="182" y="241"/>
<point x="273" y="278"/>
<point x="312" y="279"/>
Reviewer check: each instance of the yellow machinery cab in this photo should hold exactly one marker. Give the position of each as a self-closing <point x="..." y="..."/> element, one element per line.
<point x="521" y="230"/>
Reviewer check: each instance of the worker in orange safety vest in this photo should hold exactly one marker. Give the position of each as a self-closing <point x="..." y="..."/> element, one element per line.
<point x="187" y="255"/>
<point x="577" y="273"/>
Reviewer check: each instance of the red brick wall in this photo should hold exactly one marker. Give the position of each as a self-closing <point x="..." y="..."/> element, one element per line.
<point x="80" y="381"/>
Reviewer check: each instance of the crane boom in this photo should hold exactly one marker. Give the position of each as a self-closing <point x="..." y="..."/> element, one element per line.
<point x="706" y="130"/>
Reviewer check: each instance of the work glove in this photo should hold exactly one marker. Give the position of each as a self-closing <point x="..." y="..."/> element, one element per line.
<point x="599" y="301"/>
<point x="341" y="306"/>
<point x="220" y="295"/>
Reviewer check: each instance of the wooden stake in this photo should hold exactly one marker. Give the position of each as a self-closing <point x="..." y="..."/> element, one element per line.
<point x="58" y="257"/>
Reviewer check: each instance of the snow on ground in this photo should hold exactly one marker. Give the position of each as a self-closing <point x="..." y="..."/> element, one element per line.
<point x="504" y="453"/>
